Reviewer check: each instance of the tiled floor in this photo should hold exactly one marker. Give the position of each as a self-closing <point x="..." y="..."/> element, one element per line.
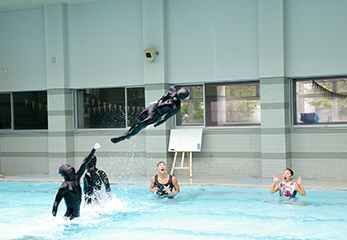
<point x="235" y="182"/>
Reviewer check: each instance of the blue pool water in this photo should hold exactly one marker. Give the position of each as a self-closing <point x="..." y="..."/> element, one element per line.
<point x="198" y="212"/>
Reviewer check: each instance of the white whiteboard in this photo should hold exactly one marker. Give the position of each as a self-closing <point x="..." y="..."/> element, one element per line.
<point x="185" y="140"/>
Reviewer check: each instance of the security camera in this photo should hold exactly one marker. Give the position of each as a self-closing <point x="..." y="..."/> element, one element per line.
<point x="150" y="54"/>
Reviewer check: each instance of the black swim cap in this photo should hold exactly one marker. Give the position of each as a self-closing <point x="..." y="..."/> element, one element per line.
<point x="182" y="93"/>
<point x="67" y="171"/>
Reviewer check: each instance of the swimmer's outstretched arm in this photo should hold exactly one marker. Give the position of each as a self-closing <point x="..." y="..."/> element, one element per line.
<point x="85" y="162"/>
<point x="299" y="188"/>
<point x="276" y="184"/>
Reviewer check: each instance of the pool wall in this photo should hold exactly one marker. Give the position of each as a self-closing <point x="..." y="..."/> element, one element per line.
<point x="267" y="40"/>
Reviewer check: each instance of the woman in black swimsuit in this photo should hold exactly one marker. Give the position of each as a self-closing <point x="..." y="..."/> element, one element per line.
<point x="163" y="183"/>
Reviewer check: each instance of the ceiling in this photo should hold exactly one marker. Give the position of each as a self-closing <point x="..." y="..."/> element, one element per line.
<point x="6" y="5"/>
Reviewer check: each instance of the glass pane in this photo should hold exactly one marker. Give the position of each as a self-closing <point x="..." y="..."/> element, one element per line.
<point x="5" y="111"/>
<point x="192" y="108"/>
<point x="321" y="101"/>
<point x="233" y="104"/>
<point x="30" y="110"/>
<point x="101" y="108"/>
<point x="135" y="102"/>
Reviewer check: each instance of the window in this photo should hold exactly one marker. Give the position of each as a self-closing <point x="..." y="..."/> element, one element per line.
<point x="192" y="108"/>
<point x="135" y="102"/>
<point x="320" y="101"/>
<point x="221" y="104"/>
<point x="30" y="110"/>
<point x="230" y="104"/>
<point x="109" y="108"/>
<point x="5" y="111"/>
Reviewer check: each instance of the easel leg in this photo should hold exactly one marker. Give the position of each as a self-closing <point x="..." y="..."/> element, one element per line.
<point x="190" y="163"/>
<point x="182" y="161"/>
<point x="173" y="164"/>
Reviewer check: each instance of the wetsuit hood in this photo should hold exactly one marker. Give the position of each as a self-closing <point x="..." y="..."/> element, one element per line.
<point x="182" y="93"/>
<point x="67" y="171"/>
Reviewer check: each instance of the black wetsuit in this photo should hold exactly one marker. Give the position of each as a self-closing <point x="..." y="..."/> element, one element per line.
<point x="163" y="187"/>
<point x="158" y="113"/>
<point x="70" y="189"/>
<point x="92" y="182"/>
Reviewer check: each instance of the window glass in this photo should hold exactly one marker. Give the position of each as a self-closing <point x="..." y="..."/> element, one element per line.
<point x="5" y="111"/>
<point x="30" y="110"/>
<point x="232" y="104"/>
<point x="106" y="108"/>
<point x="320" y="101"/>
<point x="192" y="108"/>
<point x="135" y="102"/>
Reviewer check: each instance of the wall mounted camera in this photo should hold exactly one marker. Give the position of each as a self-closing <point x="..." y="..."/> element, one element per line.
<point x="150" y="54"/>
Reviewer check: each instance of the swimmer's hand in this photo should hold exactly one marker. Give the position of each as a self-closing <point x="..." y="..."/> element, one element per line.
<point x="299" y="180"/>
<point x="169" y="191"/>
<point x="97" y="146"/>
<point x="154" y="189"/>
<point x="276" y="178"/>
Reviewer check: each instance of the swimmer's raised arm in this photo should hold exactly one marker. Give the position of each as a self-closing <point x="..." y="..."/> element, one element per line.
<point x="276" y="184"/>
<point x="299" y="188"/>
<point x="86" y="160"/>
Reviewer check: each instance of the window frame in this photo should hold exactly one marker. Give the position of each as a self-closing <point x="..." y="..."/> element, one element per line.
<point x="203" y="103"/>
<point x="12" y="129"/>
<point x="293" y="106"/>
<point x="11" y="113"/>
<point x="229" y="126"/>
<point x="75" y="109"/>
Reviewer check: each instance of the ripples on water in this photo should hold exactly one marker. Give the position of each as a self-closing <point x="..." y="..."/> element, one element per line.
<point x="198" y="212"/>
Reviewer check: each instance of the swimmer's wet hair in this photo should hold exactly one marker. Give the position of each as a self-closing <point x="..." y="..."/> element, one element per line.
<point x="291" y="171"/>
<point x="160" y="163"/>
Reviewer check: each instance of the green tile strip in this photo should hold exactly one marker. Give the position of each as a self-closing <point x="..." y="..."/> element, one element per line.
<point x="319" y="155"/>
<point x="316" y="129"/>
<point x="61" y="134"/>
<point x="62" y="155"/>
<point x="64" y="113"/>
<point x="24" y="154"/>
<point x="157" y="86"/>
<point x="61" y="91"/>
<point x="270" y="131"/>
<point x="276" y="155"/>
<point x="275" y="80"/>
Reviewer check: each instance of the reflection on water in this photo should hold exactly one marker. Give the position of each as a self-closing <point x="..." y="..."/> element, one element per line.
<point x="198" y="212"/>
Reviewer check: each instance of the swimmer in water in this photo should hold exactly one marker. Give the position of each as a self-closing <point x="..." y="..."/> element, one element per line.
<point x="70" y="189"/>
<point x="287" y="188"/>
<point x="157" y="113"/>
<point x="94" y="178"/>
<point x="163" y="183"/>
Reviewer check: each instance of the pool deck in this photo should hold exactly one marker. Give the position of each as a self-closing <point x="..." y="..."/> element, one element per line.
<point x="222" y="181"/>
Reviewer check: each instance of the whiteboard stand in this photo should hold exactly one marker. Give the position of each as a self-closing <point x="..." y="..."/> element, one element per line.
<point x="190" y="163"/>
<point x="185" y="141"/>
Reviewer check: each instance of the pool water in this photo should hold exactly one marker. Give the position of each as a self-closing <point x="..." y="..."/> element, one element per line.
<point x="198" y="212"/>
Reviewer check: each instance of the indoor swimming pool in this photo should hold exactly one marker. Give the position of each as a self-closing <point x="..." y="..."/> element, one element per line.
<point x="197" y="212"/>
